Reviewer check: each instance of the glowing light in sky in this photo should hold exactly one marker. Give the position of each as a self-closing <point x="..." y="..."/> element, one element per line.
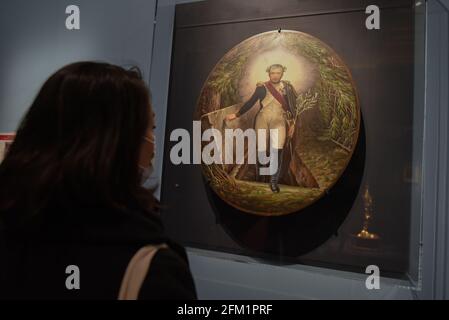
<point x="300" y="72"/>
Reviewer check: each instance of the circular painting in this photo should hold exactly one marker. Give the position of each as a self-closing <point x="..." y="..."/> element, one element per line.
<point x="297" y="91"/>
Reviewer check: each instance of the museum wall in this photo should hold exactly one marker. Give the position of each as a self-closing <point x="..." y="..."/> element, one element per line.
<point x="35" y="43"/>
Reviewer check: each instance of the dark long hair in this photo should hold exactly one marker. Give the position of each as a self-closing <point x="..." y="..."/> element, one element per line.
<point x="79" y="143"/>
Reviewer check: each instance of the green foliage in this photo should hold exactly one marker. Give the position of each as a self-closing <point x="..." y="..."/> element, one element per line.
<point x="257" y="197"/>
<point x="333" y="93"/>
<point x="226" y="76"/>
<point x="337" y="102"/>
<point x="306" y="101"/>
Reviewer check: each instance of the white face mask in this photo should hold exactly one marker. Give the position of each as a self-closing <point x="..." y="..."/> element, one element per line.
<point x="146" y="178"/>
<point x="146" y="172"/>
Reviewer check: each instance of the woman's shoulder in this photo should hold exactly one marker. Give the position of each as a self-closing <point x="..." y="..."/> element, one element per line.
<point x="169" y="276"/>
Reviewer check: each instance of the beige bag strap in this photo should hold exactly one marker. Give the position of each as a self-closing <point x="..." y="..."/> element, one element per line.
<point x="137" y="271"/>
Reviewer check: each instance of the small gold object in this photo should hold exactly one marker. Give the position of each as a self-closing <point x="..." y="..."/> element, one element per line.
<point x="368" y="216"/>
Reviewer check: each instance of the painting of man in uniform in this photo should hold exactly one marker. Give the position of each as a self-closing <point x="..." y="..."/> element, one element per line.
<point x="296" y="85"/>
<point x="277" y="99"/>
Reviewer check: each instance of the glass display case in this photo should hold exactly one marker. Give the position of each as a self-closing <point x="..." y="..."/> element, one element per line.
<point x="370" y="210"/>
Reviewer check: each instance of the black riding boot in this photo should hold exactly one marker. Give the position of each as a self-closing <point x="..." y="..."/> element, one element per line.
<point x="259" y="177"/>
<point x="275" y="177"/>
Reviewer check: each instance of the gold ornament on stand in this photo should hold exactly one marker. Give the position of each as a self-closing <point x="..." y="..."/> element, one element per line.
<point x="366" y="241"/>
<point x="368" y="216"/>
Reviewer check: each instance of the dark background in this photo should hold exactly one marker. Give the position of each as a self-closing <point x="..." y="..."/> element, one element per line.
<point x="381" y="63"/>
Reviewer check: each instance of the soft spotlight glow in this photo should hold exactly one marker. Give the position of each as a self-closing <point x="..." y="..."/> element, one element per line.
<point x="300" y="72"/>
